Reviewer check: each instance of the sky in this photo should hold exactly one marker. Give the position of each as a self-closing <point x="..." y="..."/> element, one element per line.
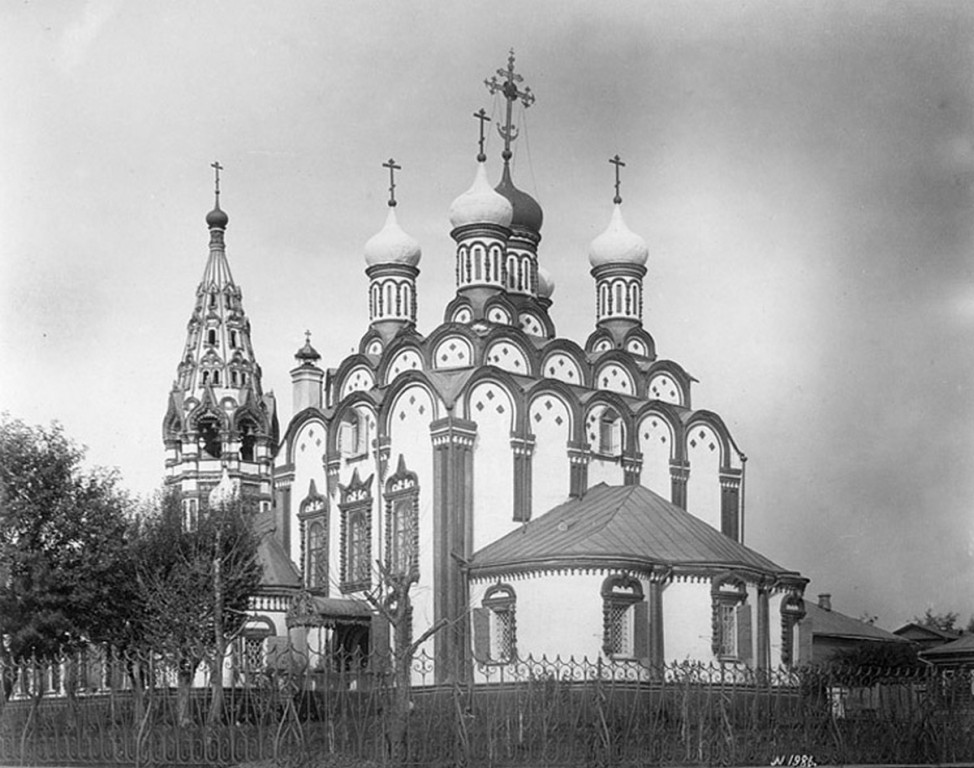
<point x="801" y="172"/>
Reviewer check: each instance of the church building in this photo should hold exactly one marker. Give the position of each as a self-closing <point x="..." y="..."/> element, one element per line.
<point x="548" y="497"/>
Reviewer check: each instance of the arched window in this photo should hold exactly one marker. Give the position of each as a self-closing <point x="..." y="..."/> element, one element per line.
<point x="248" y="440"/>
<point x="353" y="435"/>
<point x="210" y="438"/>
<point x="495" y="626"/>
<point x="625" y="618"/>
<point x="610" y="433"/>
<point x="211" y="336"/>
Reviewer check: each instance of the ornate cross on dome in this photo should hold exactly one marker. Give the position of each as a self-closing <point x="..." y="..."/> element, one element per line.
<point x="391" y="165"/>
<point x="618" y="164"/>
<point x="216" y="169"/>
<point x="482" y="117"/>
<point x="511" y="93"/>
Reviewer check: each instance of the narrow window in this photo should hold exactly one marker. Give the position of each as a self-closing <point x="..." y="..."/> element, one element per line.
<point x="625" y="631"/>
<point x="317" y="556"/>
<point x="610" y="433"/>
<point x="731" y="619"/>
<point x="190" y="515"/>
<point x="233" y="339"/>
<point x="211" y="336"/>
<point x="357" y="540"/>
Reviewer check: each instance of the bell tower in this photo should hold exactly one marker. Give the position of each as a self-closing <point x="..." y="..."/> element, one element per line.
<point x="218" y="417"/>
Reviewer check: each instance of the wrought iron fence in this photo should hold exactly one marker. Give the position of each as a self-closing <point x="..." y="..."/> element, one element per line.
<point x="114" y="710"/>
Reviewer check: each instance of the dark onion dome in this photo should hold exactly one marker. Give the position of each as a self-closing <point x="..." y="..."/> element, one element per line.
<point x="307" y="355"/>
<point x="527" y="213"/>
<point x="217" y="219"/>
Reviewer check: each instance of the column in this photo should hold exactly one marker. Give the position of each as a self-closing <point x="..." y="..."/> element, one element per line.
<point x="579" y="456"/>
<point x="679" y="474"/>
<point x="453" y="441"/>
<point x="523" y="449"/>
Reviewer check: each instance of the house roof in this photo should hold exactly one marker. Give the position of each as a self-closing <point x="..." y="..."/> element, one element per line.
<point x="617" y="527"/>
<point x="828" y="623"/>
<point x="915" y="631"/>
<point x="961" y="649"/>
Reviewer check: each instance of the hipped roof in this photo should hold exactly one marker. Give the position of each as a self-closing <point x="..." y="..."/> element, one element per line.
<point x="618" y="527"/>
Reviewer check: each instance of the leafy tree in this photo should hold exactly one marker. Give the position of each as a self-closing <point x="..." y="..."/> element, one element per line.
<point x="66" y="571"/>
<point x="195" y="586"/>
<point x="945" y="622"/>
<point x="879" y="655"/>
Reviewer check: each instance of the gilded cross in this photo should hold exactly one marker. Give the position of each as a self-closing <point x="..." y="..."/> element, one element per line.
<point x="618" y="164"/>
<point x="307" y="337"/>
<point x="508" y="87"/>
<point x="482" y="117"/>
<point x="391" y="165"/>
<point x="217" y="168"/>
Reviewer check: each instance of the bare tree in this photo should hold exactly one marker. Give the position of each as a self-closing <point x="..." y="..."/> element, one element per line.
<point x="394" y="604"/>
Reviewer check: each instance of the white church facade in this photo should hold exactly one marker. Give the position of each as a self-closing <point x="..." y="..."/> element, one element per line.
<point x="551" y="498"/>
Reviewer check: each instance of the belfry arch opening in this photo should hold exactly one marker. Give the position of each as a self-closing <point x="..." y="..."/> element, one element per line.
<point x="248" y="440"/>
<point x="210" y="439"/>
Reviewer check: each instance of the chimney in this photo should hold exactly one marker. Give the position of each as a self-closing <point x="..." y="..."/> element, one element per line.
<point x="825" y="602"/>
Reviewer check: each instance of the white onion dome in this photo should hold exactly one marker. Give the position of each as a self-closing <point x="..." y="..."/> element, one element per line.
<point x="391" y="245"/>
<point x="546" y="283"/>
<point x="618" y="244"/>
<point x="481" y="204"/>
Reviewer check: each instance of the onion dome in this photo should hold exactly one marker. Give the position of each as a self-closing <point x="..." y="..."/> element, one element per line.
<point x="480" y="204"/>
<point x="391" y="245"/>
<point x="527" y="213"/>
<point x="618" y="244"/>
<point x="217" y="219"/>
<point x="546" y="283"/>
<point x="307" y="355"/>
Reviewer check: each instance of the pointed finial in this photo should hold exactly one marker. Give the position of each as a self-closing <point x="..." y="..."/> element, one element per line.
<point x="482" y="117"/>
<point x="391" y="165"/>
<point x="508" y="87"/>
<point x="618" y="164"/>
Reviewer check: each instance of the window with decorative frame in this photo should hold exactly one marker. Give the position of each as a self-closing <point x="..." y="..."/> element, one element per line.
<point x="249" y="650"/>
<point x="625" y="618"/>
<point x="402" y="521"/>
<point x="313" y="517"/>
<point x="731" y="619"/>
<point x="356" y="543"/>
<point x="495" y="626"/>
<point x="792" y="612"/>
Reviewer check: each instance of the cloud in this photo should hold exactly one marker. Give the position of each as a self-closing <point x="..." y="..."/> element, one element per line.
<point x="78" y="38"/>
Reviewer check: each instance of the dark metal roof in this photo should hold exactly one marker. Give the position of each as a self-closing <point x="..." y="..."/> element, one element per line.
<point x="962" y="648"/>
<point x="835" y="624"/>
<point x="617" y="527"/>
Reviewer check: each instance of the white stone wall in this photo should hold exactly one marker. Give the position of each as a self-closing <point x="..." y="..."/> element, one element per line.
<point x="687" y="628"/>
<point x="491" y="407"/>
<point x="703" y="488"/>
<point x="410" y="437"/>
<point x="550" y="421"/>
